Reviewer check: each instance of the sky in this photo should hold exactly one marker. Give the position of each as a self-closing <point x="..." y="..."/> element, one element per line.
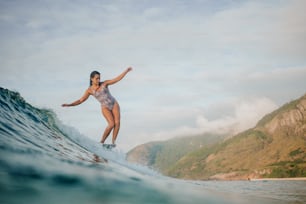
<point x="198" y="66"/>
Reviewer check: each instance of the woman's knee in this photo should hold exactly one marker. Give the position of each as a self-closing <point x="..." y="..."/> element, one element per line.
<point x="117" y="122"/>
<point x="111" y="125"/>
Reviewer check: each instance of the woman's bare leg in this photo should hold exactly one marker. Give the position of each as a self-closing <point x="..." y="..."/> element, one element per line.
<point x="116" y="114"/>
<point x="110" y="120"/>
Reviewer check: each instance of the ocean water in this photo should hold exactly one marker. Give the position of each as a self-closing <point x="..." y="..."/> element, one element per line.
<point x="44" y="161"/>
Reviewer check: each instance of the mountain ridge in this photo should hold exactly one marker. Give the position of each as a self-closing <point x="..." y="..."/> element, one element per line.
<point x="152" y="153"/>
<point x="274" y="148"/>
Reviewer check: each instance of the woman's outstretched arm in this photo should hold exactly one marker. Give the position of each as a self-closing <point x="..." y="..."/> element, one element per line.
<point x="78" y="102"/>
<point x="118" y="78"/>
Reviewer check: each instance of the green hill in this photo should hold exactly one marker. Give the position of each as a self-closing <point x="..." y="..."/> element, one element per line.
<point x="274" y="148"/>
<point x="163" y="155"/>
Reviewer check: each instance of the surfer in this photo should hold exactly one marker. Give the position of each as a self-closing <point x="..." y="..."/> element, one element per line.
<point x="109" y="105"/>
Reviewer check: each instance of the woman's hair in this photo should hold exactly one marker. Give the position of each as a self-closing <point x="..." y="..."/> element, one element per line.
<point x="92" y="74"/>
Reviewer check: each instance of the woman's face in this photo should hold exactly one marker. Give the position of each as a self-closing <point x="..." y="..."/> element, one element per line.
<point x="96" y="79"/>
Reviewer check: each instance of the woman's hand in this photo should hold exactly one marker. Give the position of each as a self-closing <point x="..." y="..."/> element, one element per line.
<point x="65" y="105"/>
<point x="129" y="69"/>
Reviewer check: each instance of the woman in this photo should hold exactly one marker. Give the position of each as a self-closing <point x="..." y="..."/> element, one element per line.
<point x="109" y="105"/>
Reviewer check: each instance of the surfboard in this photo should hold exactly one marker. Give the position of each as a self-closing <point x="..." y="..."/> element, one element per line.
<point x="109" y="146"/>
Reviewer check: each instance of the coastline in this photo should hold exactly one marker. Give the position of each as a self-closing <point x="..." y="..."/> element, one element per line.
<point x="279" y="179"/>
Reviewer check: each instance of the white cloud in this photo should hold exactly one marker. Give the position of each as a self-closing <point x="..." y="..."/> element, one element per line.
<point x="277" y="74"/>
<point x="246" y="114"/>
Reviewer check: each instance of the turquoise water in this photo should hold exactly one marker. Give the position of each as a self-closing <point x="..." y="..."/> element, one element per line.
<point x="43" y="161"/>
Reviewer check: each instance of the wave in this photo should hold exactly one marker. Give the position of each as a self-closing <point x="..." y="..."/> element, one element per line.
<point x="45" y="161"/>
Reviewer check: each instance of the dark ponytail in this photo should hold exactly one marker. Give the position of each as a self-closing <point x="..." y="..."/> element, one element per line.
<point x="92" y="74"/>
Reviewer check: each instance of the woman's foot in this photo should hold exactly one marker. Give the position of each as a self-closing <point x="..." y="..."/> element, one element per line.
<point x="108" y="146"/>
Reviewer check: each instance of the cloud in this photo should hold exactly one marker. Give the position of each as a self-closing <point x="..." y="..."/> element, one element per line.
<point x="279" y="74"/>
<point x="113" y="34"/>
<point x="246" y="114"/>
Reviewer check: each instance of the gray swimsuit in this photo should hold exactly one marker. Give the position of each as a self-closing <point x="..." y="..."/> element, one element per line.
<point x="103" y="95"/>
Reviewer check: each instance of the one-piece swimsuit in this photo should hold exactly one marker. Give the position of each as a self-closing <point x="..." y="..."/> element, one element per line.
<point x="103" y="95"/>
